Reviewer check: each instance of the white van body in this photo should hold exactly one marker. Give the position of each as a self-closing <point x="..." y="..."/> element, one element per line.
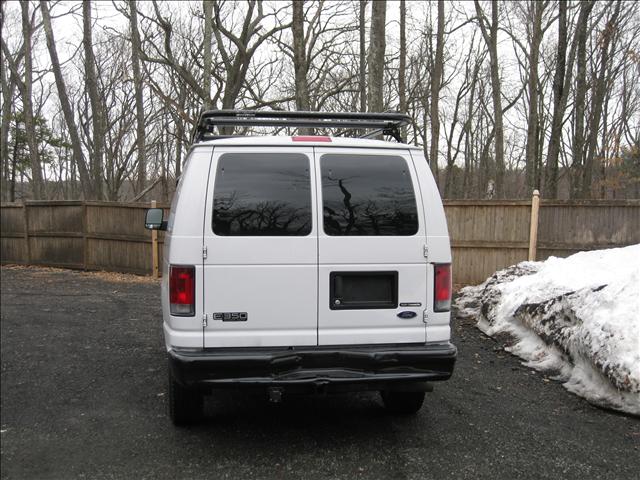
<point x="259" y="296"/>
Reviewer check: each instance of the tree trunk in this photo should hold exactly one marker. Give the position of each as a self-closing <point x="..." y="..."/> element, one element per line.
<point x="551" y="172"/>
<point x="497" y="101"/>
<point x="580" y="97"/>
<point x="94" y="99"/>
<point x="138" y="87"/>
<point x="8" y="90"/>
<point x="14" y="160"/>
<point x="491" y="39"/>
<point x="207" y="6"/>
<point x="300" y="64"/>
<point x="363" y="61"/>
<point x="436" y="79"/>
<point x="402" y="70"/>
<point x="182" y="99"/>
<point x="604" y="149"/>
<point x="377" y="42"/>
<point x="65" y="104"/>
<point x="300" y="57"/>
<point x="536" y="8"/>
<point x="403" y="58"/>
<point x="597" y="99"/>
<point x="468" y="132"/>
<point x="27" y="105"/>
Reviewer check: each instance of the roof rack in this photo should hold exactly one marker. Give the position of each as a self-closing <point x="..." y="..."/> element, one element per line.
<point x="379" y="123"/>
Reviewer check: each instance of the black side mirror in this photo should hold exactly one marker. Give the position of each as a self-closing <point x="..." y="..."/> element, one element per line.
<point x="153" y="219"/>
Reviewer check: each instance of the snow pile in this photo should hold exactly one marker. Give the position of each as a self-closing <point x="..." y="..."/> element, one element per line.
<point x="577" y="318"/>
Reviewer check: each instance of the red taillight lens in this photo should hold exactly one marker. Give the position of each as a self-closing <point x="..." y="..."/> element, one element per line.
<point x="442" y="288"/>
<point x="182" y="290"/>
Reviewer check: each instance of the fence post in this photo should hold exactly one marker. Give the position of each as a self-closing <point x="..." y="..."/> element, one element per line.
<point x="85" y="233"/>
<point x="533" y="232"/>
<point x="26" y="230"/>
<point x="154" y="247"/>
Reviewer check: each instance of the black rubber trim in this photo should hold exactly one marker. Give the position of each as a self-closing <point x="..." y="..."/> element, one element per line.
<point x="273" y="366"/>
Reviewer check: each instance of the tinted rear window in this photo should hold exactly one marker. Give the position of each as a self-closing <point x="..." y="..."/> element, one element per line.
<point x="262" y="195"/>
<point x="367" y="195"/>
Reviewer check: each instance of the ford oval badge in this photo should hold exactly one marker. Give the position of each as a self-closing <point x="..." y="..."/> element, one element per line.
<point x="407" y="314"/>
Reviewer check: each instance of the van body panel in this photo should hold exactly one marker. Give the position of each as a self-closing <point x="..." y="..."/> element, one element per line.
<point x="269" y="281"/>
<point x="283" y="282"/>
<point x="280" y="303"/>
<point x="438" y="247"/>
<point x="371" y="253"/>
<point x="174" y="338"/>
<point x="183" y="246"/>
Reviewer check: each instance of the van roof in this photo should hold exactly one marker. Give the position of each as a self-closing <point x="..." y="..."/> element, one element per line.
<point x="308" y="140"/>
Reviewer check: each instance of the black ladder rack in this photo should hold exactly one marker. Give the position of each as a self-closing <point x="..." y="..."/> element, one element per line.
<point x="379" y="123"/>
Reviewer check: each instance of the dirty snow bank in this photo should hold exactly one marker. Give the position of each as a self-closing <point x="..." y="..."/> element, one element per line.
<point x="577" y="318"/>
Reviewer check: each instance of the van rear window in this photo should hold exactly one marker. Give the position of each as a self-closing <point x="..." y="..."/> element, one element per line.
<point x="260" y="194"/>
<point x="367" y="195"/>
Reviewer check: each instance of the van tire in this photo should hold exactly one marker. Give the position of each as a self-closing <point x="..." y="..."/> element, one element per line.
<point x="185" y="404"/>
<point x="402" y="402"/>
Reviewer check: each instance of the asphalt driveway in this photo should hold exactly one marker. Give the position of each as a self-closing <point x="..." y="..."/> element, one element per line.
<point x="83" y="395"/>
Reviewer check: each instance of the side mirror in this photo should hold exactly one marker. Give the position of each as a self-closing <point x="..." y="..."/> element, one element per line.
<point x="153" y="219"/>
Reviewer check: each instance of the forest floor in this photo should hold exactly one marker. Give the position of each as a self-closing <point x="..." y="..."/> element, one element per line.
<point x="84" y="396"/>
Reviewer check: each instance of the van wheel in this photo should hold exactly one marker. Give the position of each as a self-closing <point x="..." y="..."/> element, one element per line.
<point x="402" y="402"/>
<point x="185" y="404"/>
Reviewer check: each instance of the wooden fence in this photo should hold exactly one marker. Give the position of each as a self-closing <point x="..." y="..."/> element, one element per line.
<point x="485" y="235"/>
<point x="489" y="235"/>
<point x="73" y="234"/>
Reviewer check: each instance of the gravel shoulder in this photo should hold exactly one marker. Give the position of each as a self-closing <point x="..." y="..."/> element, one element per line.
<point x="83" y="395"/>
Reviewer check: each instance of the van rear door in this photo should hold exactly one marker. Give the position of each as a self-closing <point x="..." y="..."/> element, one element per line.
<point x="260" y="238"/>
<point x="371" y="236"/>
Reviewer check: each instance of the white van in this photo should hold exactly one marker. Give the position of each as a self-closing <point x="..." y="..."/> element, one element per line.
<point x="305" y="263"/>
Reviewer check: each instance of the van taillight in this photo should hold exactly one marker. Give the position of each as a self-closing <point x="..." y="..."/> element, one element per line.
<point x="182" y="290"/>
<point x="442" y="287"/>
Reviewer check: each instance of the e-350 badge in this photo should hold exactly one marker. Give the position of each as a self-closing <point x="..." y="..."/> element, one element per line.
<point x="231" y="316"/>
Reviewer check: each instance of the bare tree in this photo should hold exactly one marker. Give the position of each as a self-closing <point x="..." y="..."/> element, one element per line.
<point x="607" y="42"/>
<point x="536" y="11"/>
<point x="375" y="60"/>
<point x="362" y="57"/>
<point x="8" y="92"/>
<point x="25" y="86"/>
<point x="560" y="95"/>
<point x="402" y="69"/>
<point x="490" y="34"/>
<point x="473" y="62"/>
<point x="9" y="86"/>
<point x="300" y="64"/>
<point x="72" y="130"/>
<point x="138" y="86"/>
<point x="126" y="124"/>
<point x="236" y="59"/>
<point x="207" y="6"/>
<point x="436" y="81"/>
<point x="580" y="96"/>
<point x="97" y="153"/>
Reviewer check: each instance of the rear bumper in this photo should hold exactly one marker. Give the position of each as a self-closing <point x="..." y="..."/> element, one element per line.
<point x="361" y="366"/>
